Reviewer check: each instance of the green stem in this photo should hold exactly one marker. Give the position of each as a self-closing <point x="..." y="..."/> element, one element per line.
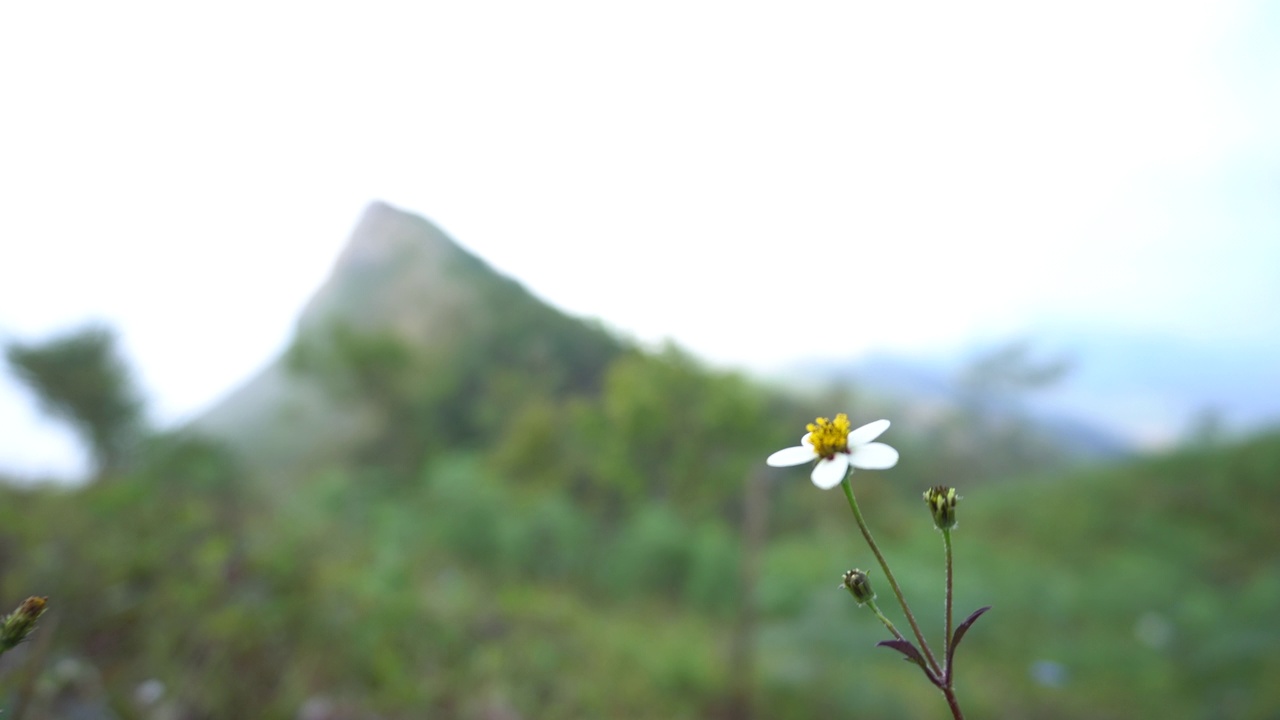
<point x="893" y="583"/>
<point x="947" y="681"/>
<point x="872" y="604"/>
<point x="946" y="674"/>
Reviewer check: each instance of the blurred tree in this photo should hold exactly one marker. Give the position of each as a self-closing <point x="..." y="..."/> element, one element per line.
<point x="999" y="378"/>
<point x="80" y="378"/>
<point x="377" y="373"/>
<point x="989" y="435"/>
<point x="670" y="430"/>
<point x="515" y="363"/>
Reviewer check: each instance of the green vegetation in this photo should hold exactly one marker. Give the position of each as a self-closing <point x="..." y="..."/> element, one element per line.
<point x="482" y="508"/>
<point x="80" y="378"/>
<point x="585" y="564"/>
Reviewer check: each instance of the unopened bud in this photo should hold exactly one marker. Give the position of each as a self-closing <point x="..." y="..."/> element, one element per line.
<point x="19" y="623"/>
<point x="859" y="586"/>
<point x="942" y="504"/>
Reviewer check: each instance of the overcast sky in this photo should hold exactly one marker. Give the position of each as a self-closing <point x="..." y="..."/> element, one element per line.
<point x="759" y="182"/>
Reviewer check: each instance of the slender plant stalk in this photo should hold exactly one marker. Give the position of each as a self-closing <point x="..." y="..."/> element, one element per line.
<point x="872" y="604"/>
<point x="948" y="688"/>
<point x="946" y="655"/>
<point x="953" y="703"/>
<point x="884" y="565"/>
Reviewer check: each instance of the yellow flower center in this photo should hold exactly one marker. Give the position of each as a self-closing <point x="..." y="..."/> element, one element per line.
<point x="829" y="436"/>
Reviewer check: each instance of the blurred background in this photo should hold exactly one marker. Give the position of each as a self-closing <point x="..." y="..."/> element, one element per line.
<point x="420" y="360"/>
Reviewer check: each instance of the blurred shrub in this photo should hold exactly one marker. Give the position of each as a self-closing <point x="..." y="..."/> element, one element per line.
<point x="649" y="554"/>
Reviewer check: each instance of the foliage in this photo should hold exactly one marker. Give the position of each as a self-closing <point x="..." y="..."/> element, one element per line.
<point x="464" y="593"/>
<point x="663" y="429"/>
<point x="424" y="400"/>
<point x="551" y="528"/>
<point x="81" y="378"/>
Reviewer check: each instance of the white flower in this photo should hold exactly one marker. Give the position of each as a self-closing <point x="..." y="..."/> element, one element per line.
<point x="836" y="449"/>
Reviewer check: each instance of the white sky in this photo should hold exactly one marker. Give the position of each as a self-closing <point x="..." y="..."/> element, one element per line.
<point x="760" y="182"/>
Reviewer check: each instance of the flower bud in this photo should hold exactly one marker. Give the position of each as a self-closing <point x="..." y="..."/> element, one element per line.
<point x="942" y="503"/>
<point x="19" y="623"/>
<point x="859" y="586"/>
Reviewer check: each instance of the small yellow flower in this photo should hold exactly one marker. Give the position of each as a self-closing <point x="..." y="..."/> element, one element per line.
<point x="837" y="449"/>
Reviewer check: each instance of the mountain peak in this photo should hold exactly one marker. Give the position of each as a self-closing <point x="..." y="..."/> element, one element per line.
<point x="402" y="278"/>
<point x="398" y="272"/>
<point x="384" y="233"/>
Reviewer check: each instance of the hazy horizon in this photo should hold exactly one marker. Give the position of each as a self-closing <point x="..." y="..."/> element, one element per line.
<point x="726" y="177"/>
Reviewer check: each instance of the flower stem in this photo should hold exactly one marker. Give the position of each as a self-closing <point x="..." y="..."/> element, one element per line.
<point x="948" y="682"/>
<point x="946" y="671"/>
<point x="953" y="703"/>
<point x="872" y="604"/>
<point x="884" y="565"/>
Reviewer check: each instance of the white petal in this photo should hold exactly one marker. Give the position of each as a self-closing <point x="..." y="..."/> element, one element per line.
<point x="868" y="432"/>
<point x="791" y="456"/>
<point x="829" y="473"/>
<point x="807" y="439"/>
<point x="873" y="456"/>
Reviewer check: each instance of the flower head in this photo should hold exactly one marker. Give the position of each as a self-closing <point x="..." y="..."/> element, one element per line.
<point x="17" y="625"/>
<point x="942" y="504"/>
<point x="837" y="448"/>
<point x="858" y="585"/>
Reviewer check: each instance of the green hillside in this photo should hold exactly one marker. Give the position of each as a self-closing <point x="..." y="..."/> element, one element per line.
<point x="407" y="317"/>
<point x="450" y="500"/>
